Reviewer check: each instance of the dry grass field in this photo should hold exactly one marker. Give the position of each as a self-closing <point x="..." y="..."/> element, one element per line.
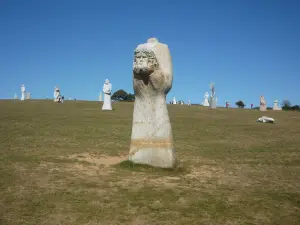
<point x="65" y="164"/>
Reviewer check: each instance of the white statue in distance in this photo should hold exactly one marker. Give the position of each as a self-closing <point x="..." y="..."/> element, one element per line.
<point x="107" y="88"/>
<point x="205" y="101"/>
<point x="174" y="101"/>
<point x="56" y="95"/>
<point x="23" y="90"/>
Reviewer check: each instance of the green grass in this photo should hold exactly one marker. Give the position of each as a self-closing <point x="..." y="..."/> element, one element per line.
<point x="66" y="164"/>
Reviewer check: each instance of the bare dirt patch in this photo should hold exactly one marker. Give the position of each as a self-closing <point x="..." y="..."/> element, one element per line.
<point x="93" y="164"/>
<point x="98" y="160"/>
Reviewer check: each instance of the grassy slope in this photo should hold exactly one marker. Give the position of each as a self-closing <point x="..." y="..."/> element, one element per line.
<point x="58" y="165"/>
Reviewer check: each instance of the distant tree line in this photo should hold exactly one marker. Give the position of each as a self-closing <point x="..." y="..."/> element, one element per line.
<point x="286" y="105"/>
<point x="121" y="95"/>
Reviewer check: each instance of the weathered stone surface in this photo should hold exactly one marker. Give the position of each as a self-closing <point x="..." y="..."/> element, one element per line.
<point x="205" y="101"/>
<point x="152" y="138"/>
<point x="23" y="91"/>
<point x="174" y="101"/>
<point x="263" y="104"/>
<point x="265" y="119"/>
<point x="28" y="95"/>
<point x="213" y="103"/>
<point x="276" y="107"/>
<point x="56" y="95"/>
<point x="107" y="88"/>
<point x="213" y="99"/>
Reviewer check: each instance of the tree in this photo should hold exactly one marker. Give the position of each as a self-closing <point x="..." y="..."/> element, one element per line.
<point x="295" y="107"/>
<point x="122" y="95"/>
<point x="240" y="104"/>
<point x="119" y="95"/>
<point x="286" y="104"/>
<point x="130" y="97"/>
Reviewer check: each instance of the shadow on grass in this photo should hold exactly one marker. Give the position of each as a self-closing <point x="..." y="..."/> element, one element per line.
<point x="131" y="166"/>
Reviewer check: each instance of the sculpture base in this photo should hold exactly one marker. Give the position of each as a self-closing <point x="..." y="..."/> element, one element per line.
<point x="213" y="104"/>
<point x="263" y="108"/>
<point x="205" y="103"/>
<point x="157" y="157"/>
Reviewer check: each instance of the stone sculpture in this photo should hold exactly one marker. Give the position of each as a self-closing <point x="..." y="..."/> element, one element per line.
<point x="16" y="96"/>
<point x="189" y="102"/>
<point x="23" y="90"/>
<point x="205" y="101"/>
<point x="28" y="96"/>
<point x="227" y="104"/>
<point x="152" y="138"/>
<point x="57" y="96"/>
<point x="276" y="107"/>
<point x="174" y="101"/>
<point x="263" y="104"/>
<point x="100" y="97"/>
<point x="265" y="119"/>
<point x="107" y="88"/>
<point x="213" y="100"/>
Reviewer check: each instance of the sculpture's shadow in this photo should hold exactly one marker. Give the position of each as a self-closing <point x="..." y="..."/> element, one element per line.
<point x="178" y="169"/>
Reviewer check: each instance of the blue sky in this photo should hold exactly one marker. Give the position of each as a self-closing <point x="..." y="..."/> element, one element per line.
<point x="246" y="47"/>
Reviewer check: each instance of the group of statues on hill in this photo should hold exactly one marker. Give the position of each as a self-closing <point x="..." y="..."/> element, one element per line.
<point x="152" y="73"/>
<point x="24" y="95"/>
<point x="58" y="98"/>
<point x="263" y="105"/>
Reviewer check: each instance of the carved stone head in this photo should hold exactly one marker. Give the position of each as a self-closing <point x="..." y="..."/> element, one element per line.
<point x="145" y="61"/>
<point x="152" y="68"/>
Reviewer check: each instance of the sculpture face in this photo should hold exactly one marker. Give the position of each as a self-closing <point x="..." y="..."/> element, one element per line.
<point x="144" y="61"/>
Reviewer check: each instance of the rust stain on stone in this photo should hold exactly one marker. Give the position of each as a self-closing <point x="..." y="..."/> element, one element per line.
<point x="137" y="144"/>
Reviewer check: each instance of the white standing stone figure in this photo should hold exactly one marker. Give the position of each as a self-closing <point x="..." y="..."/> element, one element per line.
<point x="189" y="102"/>
<point x="28" y="95"/>
<point x="276" y="107"/>
<point x="16" y="96"/>
<point x="100" y="97"/>
<point x="213" y="99"/>
<point x="107" y="88"/>
<point x="263" y="104"/>
<point x="23" y="91"/>
<point x="57" y="96"/>
<point x="152" y="138"/>
<point x="174" y="101"/>
<point x="205" y="100"/>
